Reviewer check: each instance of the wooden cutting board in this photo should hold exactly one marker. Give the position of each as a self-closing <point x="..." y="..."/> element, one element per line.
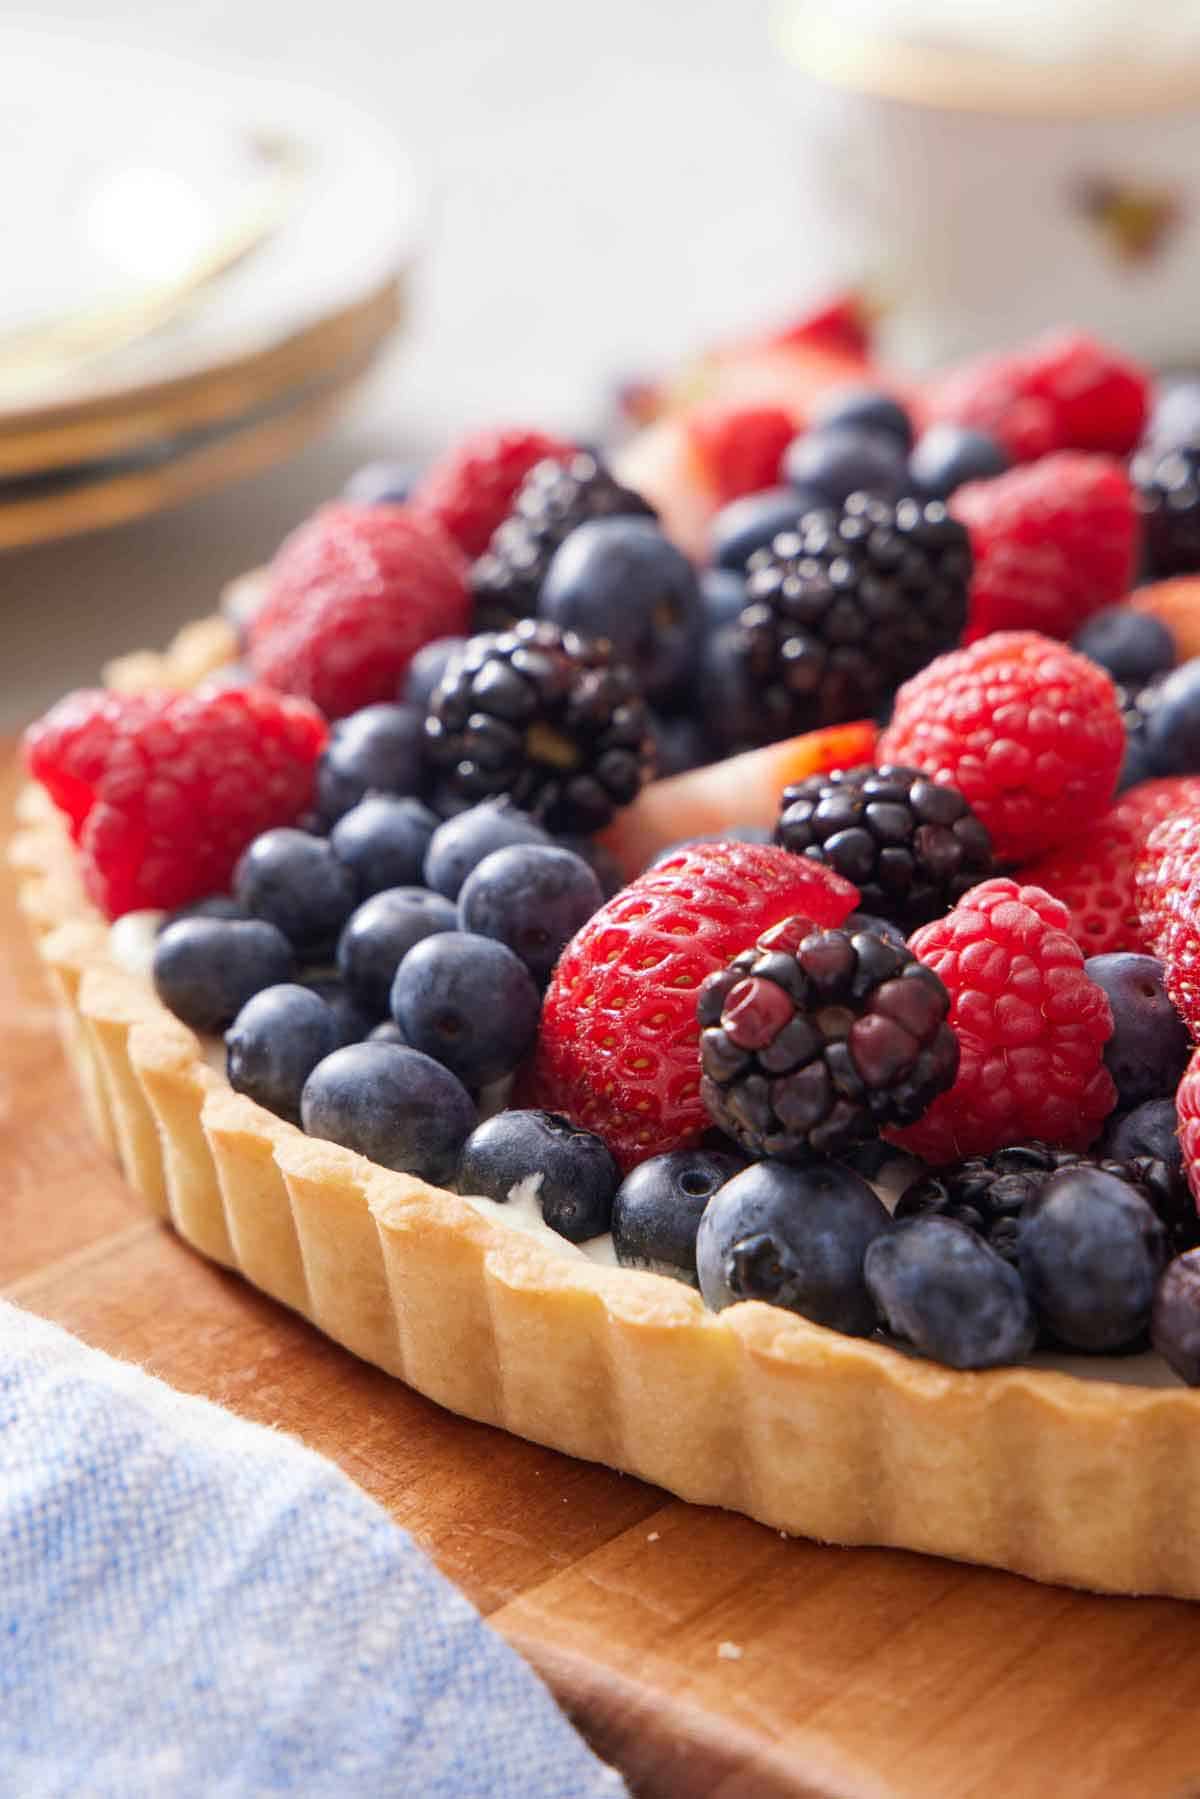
<point x="705" y="1655"/>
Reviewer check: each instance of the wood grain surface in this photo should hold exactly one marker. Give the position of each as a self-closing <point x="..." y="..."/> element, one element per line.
<point x="703" y="1654"/>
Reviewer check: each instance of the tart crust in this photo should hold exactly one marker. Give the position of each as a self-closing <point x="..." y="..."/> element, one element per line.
<point x="1087" y="1483"/>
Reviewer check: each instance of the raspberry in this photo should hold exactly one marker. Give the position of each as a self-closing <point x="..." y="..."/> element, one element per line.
<point x="1031" y="1028"/>
<point x="351" y="596"/>
<point x="1066" y="391"/>
<point x="619" y="1051"/>
<point x="1094" y="876"/>
<point x="741" y="447"/>
<point x="471" y="489"/>
<point x="163" y="791"/>
<point x="1029" y="732"/>
<point x="1187" y="1109"/>
<point x="1052" y="543"/>
<point x="1168" y="900"/>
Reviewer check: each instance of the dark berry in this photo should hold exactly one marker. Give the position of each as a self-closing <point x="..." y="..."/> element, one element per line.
<point x="353" y="1022"/>
<point x="461" y="843"/>
<point x="1149" y="1048"/>
<point x="205" y="969"/>
<point x="911" y="846"/>
<point x="622" y="579"/>
<point x="380" y="933"/>
<point x="839" y="461"/>
<point x="753" y="522"/>
<point x="427" y="670"/>
<point x="1091" y="1250"/>
<point x="1167" y="484"/>
<point x="1132" y="646"/>
<point x="379" y="748"/>
<point x="1172" y="728"/>
<point x="722" y="595"/>
<point x="939" y="1287"/>
<point x="1145" y="1142"/>
<point x="381" y="484"/>
<point x="793" y="1237"/>
<point x="215" y="905"/>
<point x="680" y="743"/>
<point x="1175" y="1317"/>
<point x="570" y="1172"/>
<point x="274" y="1044"/>
<point x="728" y="693"/>
<point x="297" y="883"/>
<point x="947" y="456"/>
<point x="383" y="841"/>
<point x="392" y="1105"/>
<point x="550" y="721"/>
<point x="468" y="1002"/>
<point x="864" y="409"/>
<point x="387" y="1032"/>
<point x="533" y="899"/>
<point x="815" y="1040"/>
<point x="600" y="860"/>
<point x="658" y="1208"/>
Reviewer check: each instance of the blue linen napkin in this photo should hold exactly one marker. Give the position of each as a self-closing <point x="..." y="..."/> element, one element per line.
<point x="193" y="1604"/>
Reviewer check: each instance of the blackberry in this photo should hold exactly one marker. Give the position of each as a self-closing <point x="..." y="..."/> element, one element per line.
<point x="911" y="847"/>
<point x="545" y="717"/>
<point x="553" y="498"/>
<point x="1167" y="484"/>
<point x="814" y="1040"/>
<point x="842" y="609"/>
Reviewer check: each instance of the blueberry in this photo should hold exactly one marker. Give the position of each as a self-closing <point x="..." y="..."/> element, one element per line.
<point x="274" y="1044"/>
<point x="380" y="484"/>
<point x="679" y="744"/>
<point x="1136" y="765"/>
<point x="387" y="1032"/>
<point x="940" y="1287"/>
<point x="533" y="898"/>
<point x="380" y="933"/>
<point x="468" y="1002"/>
<point x="621" y="578"/>
<point x="353" y="1023"/>
<point x="1148" y="1050"/>
<point x="297" y="883"/>
<point x="1150" y="1130"/>
<point x="1090" y="1253"/>
<point x="1173" y="727"/>
<point x="215" y="905"/>
<point x="839" y="462"/>
<point x="948" y="456"/>
<point x="1132" y="646"/>
<point x="658" y="1208"/>
<point x="722" y="597"/>
<point x="864" y="409"/>
<point x="379" y="747"/>
<point x="729" y="696"/>
<point x="600" y="860"/>
<point x="751" y="523"/>
<point x="571" y="1171"/>
<point x="383" y="841"/>
<point x="1175" y="1318"/>
<point x="205" y="969"/>
<point x="393" y="1105"/>
<point x="794" y="1237"/>
<point x="426" y="669"/>
<point x="461" y="843"/>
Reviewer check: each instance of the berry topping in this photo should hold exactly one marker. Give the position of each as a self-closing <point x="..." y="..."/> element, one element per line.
<point x="376" y="750"/>
<point x="1090" y="1252"/>
<point x="864" y="409"/>
<point x="1168" y="498"/>
<point x="469" y="1003"/>
<point x="621" y="579"/>
<point x="911" y="847"/>
<point x="1066" y="391"/>
<point x="548" y="719"/>
<point x="619" y="1047"/>
<point x="658" y="1209"/>
<point x="941" y="1288"/>
<point x="739" y="448"/>
<point x="427" y="670"/>
<point x="384" y="841"/>
<point x="1172" y="722"/>
<point x="354" y="1024"/>
<point x="470" y="489"/>
<point x="793" y="1237"/>
<point x="1052" y="542"/>
<point x="1133" y="646"/>
<point x="297" y="883"/>
<point x="205" y="969"/>
<point x="1175" y="1317"/>
<point x="840" y="460"/>
<point x="351" y="596"/>
<point x="1148" y="1050"/>
<point x="1168" y="902"/>
<point x="460" y="844"/>
<point x="163" y="791"/>
<point x="947" y="456"/>
<point x="393" y="1105"/>
<point x="274" y="1044"/>
<point x="1028" y="731"/>
<point x="751" y="523"/>
<point x="532" y="898"/>
<point x="380" y="933"/>
<point x="569" y="1171"/>
<point x="1145" y="1142"/>
<point x="1187" y="1109"/>
<point x="1031" y="1027"/>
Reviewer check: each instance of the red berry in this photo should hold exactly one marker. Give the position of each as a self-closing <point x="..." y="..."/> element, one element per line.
<point x="1167" y="887"/>
<point x="1031" y="1028"/>
<point x="740" y="447"/>
<point x="1052" y="543"/>
<point x="351" y="596"/>
<point x="1094" y="875"/>
<point x="164" y="791"/>
<point x="619" y="1050"/>
<point x="1029" y="732"/>
<point x="470" y="490"/>
<point x="1187" y="1110"/>
<point x="1064" y="392"/>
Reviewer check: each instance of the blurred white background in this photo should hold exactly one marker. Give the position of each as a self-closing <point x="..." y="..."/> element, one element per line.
<point x="607" y="187"/>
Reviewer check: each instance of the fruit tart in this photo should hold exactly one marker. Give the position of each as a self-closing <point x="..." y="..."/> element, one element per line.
<point x="693" y="956"/>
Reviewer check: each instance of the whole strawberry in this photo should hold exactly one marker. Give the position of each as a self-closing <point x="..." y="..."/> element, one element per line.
<point x="163" y="791"/>
<point x="351" y="596"/>
<point x="1053" y="542"/>
<point x="1029" y="732"/>
<point x="619" y="1049"/>
<point x="1031" y="1028"/>
<point x="470" y="490"/>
